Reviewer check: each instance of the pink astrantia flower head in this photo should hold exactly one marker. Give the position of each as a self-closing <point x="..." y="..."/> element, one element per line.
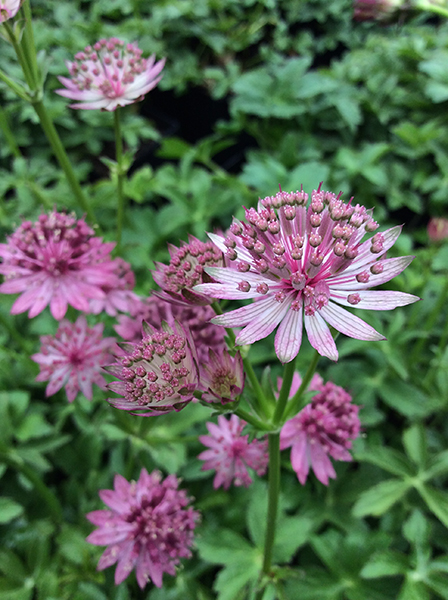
<point x="437" y="229"/>
<point x="324" y="428"/>
<point x="148" y="527"/>
<point x="110" y="74"/>
<point x="301" y="264"/>
<point x="222" y="377"/>
<point x="186" y="269"/>
<point x="118" y="294"/>
<point x="56" y="261"/>
<point x="9" y="9"/>
<point x="73" y="358"/>
<point x="154" y="310"/>
<point x="230" y="454"/>
<point x="158" y="374"/>
<point x="365" y="10"/>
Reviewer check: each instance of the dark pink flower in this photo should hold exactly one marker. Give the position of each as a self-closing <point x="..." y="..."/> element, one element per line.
<point x="300" y="265"/>
<point x="110" y="74"/>
<point x="149" y="527"/>
<point x="324" y="428"/>
<point x="231" y="454"/>
<point x="9" y="9"/>
<point x="437" y="229"/>
<point x="186" y="269"/>
<point x="158" y="374"/>
<point x="154" y="310"/>
<point x="118" y="294"/>
<point x="56" y="261"/>
<point x="74" y="358"/>
<point x="222" y="377"/>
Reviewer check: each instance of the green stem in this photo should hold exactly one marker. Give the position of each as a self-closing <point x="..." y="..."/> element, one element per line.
<point x="432" y="8"/>
<point x="246" y="416"/>
<point x="9" y="136"/>
<point x="18" y="89"/>
<point x="20" y="56"/>
<point x="46" y="494"/>
<point x="273" y="494"/>
<point x="61" y="155"/>
<point x="288" y="374"/>
<point x="120" y="175"/>
<point x="295" y="404"/>
<point x="28" y="45"/>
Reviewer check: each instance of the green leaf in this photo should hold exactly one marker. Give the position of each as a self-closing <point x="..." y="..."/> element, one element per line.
<point x="414" y="441"/>
<point x="378" y="499"/>
<point x="12" y="566"/>
<point x="414" y="590"/>
<point x="223" y="546"/>
<point x="233" y="579"/>
<point x="438" y="583"/>
<point x="9" y="509"/>
<point x="416" y="529"/>
<point x="385" y="564"/>
<point x="407" y="399"/>
<point x="437" y="502"/>
<point x="389" y="459"/>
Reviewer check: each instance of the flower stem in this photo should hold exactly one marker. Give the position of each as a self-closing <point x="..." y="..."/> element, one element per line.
<point x="28" y="45"/>
<point x="61" y="155"/>
<point x="9" y="136"/>
<point x="295" y="404"/>
<point x="20" y="56"/>
<point x="120" y="175"/>
<point x="246" y="416"/>
<point x="288" y="374"/>
<point x="273" y="494"/>
<point x="424" y="5"/>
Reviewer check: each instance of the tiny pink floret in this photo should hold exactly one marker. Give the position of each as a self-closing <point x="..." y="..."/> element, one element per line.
<point x="222" y="377"/>
<point x="9" y="9"/>
<point x="73" y="358"/>
<point x="231" y="455"/>
<point x="110" y="74"/>
<point x="148" y="527"/>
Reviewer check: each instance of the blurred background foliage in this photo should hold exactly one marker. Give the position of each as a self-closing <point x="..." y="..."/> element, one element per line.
<point x="255" y="93"/>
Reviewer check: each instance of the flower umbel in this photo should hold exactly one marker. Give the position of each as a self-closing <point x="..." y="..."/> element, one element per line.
<point x="186" y="269"/>
<point x="9" y="9"/>
<point x="56" y="261"/>
<point x="301" y="263"/>
<point x="230" y="454"/>
<point x="158" y="374"/>
<point x="149" y="527"/>
<point x="324" y="428"/>
<point x="118" y="291"/>
<point x="110" y="74"/>
<point x="222" y="377"/>
<point x="73" y="358"/>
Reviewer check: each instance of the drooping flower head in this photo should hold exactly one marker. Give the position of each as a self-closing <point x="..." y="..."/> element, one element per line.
<point x="148" y="527"/>
<point x="56" y="261"/>
<point x="437" y="229"/>
<point x="231" y="454"/>
<point x="118" y="294"/>
<point x="9" y="9"/>
<point x="158" y="374"/>
<point x="154" y="310"/>
<point x="366" y="10"/>
<point x="324" y="428"/>
<point x="301" y="263"/>
<point x="110" y="74"/>
<point x="186" y="269"/>
<point x="73" y="358"/>
<point x="222" y="377"/>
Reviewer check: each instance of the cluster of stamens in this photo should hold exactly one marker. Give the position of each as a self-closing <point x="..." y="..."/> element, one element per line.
<point x="187" y="264"/>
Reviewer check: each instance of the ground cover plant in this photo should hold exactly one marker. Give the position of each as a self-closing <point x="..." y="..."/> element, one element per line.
<point x="224" y="253"/>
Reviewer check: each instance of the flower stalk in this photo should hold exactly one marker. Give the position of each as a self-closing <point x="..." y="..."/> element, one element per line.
<point x="119" y="174"/>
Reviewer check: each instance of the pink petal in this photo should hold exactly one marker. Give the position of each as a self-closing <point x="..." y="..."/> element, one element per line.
<point x="376" y="300"/>
<point x="289" y="336"/>
<point x="349" y="324"/>
<point x="320" y="336"/>
<point x="263" y="325"/>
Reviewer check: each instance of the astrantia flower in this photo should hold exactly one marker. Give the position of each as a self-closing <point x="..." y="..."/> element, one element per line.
<point x="186" y="269"/>
<point x="301" y="264"/>
<point x="365" y="10"/>
<point x="74" y="358"/>
<point x="9" y="9"/>
<point x="149" y="527"/>
<point x="230" y="454"/>
<point x="437" y="229"/>
<point x="154" y="310"/>
<point x="324" y="428"/>
<point x="222" y="377"/>
<point x="158" y="374"/>
<point x="118" y="292"/>
<point x="56" y="261"/>
<point x="110" y="74"/>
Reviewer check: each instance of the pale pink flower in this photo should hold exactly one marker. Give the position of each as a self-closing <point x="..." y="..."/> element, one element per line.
<point x="9" y="9"/>
<point x="300" y="264"/>
<point x="110" y="74"/>
<point x="118" y="291"/>
<point x="365" y="10"/>
<point x="154" y="310"/>
<point x="158" y="374"/>
<point x="56" y="261"/>
<point x="148" y="527"/>
<point x="437" y="229"/>
<point x="222" y="377"/>
<point x="73" y="358"/>
<point x="324" y="428"/>
<point x="231" y="454"/>
<point x="186" y="269"/>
